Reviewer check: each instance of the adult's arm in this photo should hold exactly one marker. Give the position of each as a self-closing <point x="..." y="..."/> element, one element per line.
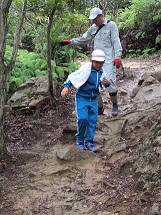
<point x="86" y="38"/>
<point x="116" y="40"/>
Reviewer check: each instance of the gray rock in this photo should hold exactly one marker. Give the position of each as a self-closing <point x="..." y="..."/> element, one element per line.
<point x="31" y="94"/>
<point x="72" y="153"/>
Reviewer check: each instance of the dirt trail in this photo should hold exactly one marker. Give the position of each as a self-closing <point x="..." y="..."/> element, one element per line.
<point x="37" y="181"/>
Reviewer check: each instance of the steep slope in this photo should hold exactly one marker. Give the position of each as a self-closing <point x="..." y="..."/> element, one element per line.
<point x="47" y="174"/>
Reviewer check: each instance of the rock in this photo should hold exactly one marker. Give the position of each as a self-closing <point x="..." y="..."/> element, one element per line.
<point x="31" y="94"/>
<point x="70" y="128"/>
<point x="72" y="153"/>
<point x="149" y="187"/>
<point x="117" y="156"/>
<point x="148" y="93"/>
<point x="25" y="157"/>
<point x="107" y="213"/>
<point x="139" y="186"/>
<point x="126" y="168"/>
<point x="148" y="87"/>
<point x="99" y="139"/>
<point x="37" y="103"/>
<point x="155" y="209"/>
<point x="123" y="92"/>
<point x="144" y="197"/>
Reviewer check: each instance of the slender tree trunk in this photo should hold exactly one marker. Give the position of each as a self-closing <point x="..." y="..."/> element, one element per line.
<point x="50" y="77"/>
<point x="2" y="105"/>
<point x="4" y="10"/>
<point x="5" y="71"/>
<point x="16" y="43"/>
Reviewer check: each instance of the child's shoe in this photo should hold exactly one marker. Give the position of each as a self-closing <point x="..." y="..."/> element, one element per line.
<point x="91" y="147"/>
<point x="81" y="146"/>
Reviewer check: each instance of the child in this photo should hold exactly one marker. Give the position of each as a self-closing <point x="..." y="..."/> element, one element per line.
<point x="87" y="80"/>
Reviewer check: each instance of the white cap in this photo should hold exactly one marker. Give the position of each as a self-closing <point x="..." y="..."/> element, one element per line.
<point x="94" y="13"/>
<point x="98" y="55"/>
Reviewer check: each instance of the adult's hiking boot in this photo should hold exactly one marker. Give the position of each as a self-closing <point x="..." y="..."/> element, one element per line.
<point x="114" y="103"/>
<point x="114" y="109"/>
<point x="100" y="104"/>
<point x="100" y="110"/>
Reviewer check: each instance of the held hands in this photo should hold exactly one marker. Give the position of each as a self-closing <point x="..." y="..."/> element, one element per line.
<point x="117" y="62"/>
<point x="64" y="42"/>
<point x="64" y="92"/>
<point x="105" y="82"/>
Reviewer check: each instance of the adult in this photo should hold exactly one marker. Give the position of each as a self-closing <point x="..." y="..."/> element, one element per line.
<point x="106" y="38"/>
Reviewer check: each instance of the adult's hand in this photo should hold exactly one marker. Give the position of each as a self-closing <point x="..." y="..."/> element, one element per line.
<point x="64" y="42"/>
<point x="117" y="62"/>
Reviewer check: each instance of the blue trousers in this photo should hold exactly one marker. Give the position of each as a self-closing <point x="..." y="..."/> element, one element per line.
<point x="87" y="117"/>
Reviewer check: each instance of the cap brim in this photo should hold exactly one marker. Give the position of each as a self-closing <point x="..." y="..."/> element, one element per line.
<point x="101" y="59"/>
<point x="92" y="17"/>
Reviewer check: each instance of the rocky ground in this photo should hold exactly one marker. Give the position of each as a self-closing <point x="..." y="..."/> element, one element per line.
<point x="46" y="174"/>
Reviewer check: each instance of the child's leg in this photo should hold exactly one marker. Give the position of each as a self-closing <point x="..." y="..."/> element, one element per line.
<point x="92" y="121"/>
<point x="82" y="118"/>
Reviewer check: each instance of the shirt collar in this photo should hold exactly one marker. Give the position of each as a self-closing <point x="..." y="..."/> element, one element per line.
<point x="105" y="21"/>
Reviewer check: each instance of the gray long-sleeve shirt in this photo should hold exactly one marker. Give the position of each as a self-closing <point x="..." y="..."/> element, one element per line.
<point x="107" y="40"/>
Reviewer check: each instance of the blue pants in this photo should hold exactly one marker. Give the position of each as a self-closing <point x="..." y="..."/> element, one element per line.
<point x="87" y="116"/>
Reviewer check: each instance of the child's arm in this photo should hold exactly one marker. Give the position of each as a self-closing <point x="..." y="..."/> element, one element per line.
<point x="105" y="82"/>
<point x="65" y="90"/>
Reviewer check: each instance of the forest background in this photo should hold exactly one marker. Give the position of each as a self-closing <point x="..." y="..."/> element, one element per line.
<point x="30" y="32"/>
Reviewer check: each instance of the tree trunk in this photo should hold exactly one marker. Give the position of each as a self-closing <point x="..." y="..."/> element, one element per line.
<point x="2" y="105"/>
<point x="50" y="77"/>
<point x="4" y="10"/>
<point x="5" y="71"/>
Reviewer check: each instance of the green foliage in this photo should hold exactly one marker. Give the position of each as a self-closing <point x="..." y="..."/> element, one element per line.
<point x="29" y="65"/>
<point x="144" y="18"/>
<point x="67" y="23"/>
<point x="148" y="51"/>
<point x="134" y="53"/>
<point x="78" y="24"/>
<point x="157" y="12"/>
<point x="158" y="39"/>
<point x="140" y="34"/>
<point x="127" y="19"/>
<point x="2" y="167"/>
<point x="141" y="13"/>
<point x="14" y="82"/>
<point x="137" y="53"/>
<point x="71" y="20"/>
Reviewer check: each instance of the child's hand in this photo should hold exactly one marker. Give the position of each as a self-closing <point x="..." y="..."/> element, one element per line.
<point x="64" y="92"/>
<point x="105" y="82"/>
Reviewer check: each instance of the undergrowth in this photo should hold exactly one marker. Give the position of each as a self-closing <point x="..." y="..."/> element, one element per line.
<point x="30" y="64"/>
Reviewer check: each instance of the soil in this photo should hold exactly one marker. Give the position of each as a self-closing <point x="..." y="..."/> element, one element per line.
<point x="35" y="181"/>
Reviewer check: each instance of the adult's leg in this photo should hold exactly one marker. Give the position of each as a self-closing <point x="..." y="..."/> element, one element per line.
<point x="100" y="104"/>
<point x="114" y="103"/>
<point x="110" y="71"/>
